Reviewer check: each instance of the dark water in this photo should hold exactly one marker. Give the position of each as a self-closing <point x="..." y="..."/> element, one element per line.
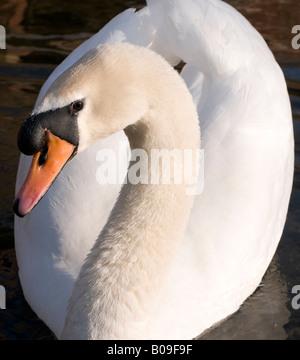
<point x="40" y="34"/>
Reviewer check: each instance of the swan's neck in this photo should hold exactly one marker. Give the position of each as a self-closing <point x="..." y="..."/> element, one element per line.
<point x="120" y="284"/>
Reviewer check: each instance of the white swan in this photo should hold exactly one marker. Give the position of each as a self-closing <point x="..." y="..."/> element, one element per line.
<point x="158" y="271"/>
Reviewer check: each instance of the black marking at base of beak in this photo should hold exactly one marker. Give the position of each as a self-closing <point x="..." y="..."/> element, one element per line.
<point x="43" y="155"/>
<point x="61" y="122"/>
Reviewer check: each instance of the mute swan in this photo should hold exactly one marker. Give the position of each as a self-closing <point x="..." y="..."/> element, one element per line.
<point x="165" y="265"/>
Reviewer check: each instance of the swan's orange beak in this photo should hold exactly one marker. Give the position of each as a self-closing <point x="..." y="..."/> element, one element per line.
<point x="44" y="169"/>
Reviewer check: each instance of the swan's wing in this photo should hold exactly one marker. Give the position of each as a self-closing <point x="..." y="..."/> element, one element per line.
<point x="237" y="222"/>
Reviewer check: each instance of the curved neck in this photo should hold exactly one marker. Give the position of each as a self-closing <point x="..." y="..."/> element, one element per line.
<point x="119" y="285"/>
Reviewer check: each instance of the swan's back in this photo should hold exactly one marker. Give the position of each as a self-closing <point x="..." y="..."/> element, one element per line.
<point x="247" y="138"/>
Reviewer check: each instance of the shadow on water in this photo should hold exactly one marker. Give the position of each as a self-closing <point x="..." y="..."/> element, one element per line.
<point x="39" y="36"/>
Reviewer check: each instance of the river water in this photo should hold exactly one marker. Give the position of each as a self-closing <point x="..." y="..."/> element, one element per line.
<point x="39" y="36"/>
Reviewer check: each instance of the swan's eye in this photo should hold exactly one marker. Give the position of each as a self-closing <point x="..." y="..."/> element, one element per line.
<point x="77" y="106"/>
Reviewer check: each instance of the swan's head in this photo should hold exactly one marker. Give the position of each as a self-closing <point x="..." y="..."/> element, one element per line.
<point x="101" y="94"/>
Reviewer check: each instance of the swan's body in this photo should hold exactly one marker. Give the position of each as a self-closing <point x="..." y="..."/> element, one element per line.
<point x="235" y="225"/>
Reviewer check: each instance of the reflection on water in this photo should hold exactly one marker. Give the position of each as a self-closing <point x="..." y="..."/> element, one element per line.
<point x="39" y="36"/>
